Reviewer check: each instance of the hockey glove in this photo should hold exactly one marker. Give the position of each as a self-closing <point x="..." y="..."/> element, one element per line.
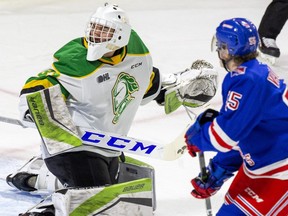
<point x="192" y="150"/>
<point x="207" y="116"/>
<point x="208" y="185"/>
<point x="192" y="87"/>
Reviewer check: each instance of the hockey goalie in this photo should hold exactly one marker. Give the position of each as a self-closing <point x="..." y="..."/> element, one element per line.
<point x="98" y="82"/>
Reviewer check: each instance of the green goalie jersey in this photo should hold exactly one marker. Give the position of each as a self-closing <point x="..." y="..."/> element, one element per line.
<point x="103" y="94"/>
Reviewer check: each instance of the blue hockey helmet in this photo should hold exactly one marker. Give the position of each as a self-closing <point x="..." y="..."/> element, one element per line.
<point x="238" y="35"/>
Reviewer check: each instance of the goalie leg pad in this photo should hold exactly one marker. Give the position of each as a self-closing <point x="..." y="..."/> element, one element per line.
<point x="133" y="169"/>
<point x="129" y="198"/>
<point x="43" y="208"/>
<point x="32" y="166"/>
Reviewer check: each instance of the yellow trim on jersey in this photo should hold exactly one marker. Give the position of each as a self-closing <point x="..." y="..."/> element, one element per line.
<point x="85" y="42"/>
<point x="143" y="54"/>
<point x="54" y="68"/>
<point x="151" y="82"/>
<point x="115" y="59"/>
<point x="45" y="83"/>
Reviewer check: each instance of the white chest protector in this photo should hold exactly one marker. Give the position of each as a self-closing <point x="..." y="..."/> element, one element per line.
<point x="108" y="98"/>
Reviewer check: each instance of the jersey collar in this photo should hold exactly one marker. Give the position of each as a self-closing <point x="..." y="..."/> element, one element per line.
<point x="116" y="59"/>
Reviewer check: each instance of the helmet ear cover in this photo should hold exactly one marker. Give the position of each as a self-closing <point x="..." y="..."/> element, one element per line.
<point x="239" y="35"/>
<point x="108" y="30"/>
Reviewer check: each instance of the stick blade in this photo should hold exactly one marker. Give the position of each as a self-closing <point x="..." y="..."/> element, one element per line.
<point x="176" y="148"/>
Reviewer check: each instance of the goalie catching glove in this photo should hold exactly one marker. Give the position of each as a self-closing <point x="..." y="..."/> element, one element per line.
<point x="192" y="87"/>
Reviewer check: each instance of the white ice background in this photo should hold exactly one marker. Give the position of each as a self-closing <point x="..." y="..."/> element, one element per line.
<point x="176" y="32"/>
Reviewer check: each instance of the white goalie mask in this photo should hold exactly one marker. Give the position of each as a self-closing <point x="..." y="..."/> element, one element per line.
<point x="107" y="30"/>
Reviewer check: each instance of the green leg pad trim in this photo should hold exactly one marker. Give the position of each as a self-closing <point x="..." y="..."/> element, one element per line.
<point x="110" y="196"/>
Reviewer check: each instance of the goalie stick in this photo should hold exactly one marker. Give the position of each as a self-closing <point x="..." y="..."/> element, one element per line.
<point x="169" y="151"/>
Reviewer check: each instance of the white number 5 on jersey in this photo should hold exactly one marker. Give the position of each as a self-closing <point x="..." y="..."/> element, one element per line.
<point x="232" y="101"/>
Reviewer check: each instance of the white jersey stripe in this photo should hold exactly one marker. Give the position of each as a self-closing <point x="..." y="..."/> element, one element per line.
<point x="278" y="170"/>
<point x="219" y="139"/>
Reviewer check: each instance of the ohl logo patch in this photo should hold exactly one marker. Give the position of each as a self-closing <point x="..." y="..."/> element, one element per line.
<point x="103" y="77"/>
<point x="122" y="91"/>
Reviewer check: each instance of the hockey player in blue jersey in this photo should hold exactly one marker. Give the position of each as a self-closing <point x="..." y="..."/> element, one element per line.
<point x="249" y="133"/>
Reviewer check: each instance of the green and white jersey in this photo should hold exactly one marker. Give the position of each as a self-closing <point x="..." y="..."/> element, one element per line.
<point x="103" y="94"/>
